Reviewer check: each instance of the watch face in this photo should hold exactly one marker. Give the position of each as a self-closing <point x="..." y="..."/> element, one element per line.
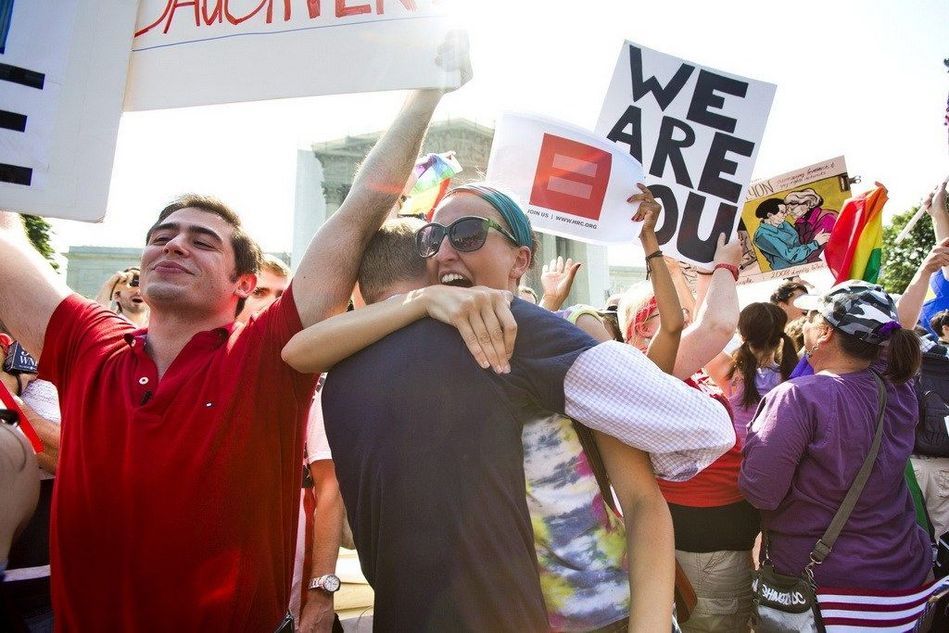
<point x="331" y="583"/>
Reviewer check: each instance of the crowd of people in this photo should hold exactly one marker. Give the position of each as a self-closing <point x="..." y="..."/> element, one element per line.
<point x="502" y="466"/>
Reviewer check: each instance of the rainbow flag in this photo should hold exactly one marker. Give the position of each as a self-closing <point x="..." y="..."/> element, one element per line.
<point x="855" y="247"/>
<point x="433" y="173"/>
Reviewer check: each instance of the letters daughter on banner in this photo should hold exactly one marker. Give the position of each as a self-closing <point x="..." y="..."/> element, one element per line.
<point x="696" y="131"/>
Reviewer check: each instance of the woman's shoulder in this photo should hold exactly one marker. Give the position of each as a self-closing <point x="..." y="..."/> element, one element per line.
<point x="804" y="388"/>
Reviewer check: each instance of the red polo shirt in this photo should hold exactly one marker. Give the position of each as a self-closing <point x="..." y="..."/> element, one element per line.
<point x="176" y="502"/>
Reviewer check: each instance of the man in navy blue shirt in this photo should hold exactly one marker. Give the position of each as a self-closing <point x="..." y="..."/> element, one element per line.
<point x="429" y="451"/>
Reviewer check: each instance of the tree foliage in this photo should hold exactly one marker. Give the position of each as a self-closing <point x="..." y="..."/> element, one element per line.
<point x="900" y="261"/>
<point x="39" y="230"/>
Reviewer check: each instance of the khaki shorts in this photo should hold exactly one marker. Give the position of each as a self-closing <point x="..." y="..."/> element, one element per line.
<point x="722" y="584"/>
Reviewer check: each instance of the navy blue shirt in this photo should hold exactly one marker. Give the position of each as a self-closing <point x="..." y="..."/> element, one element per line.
<point x="428" y="453"/>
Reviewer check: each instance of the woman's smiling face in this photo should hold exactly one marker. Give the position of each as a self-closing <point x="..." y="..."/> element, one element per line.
<point x="498" y="264"/>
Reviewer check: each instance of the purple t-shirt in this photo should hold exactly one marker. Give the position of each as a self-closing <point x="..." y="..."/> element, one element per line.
<point x="766" y="379"/>
<point x="803" y="451"/>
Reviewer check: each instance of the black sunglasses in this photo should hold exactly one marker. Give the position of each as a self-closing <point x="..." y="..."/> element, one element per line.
<point x="465" y="234"/>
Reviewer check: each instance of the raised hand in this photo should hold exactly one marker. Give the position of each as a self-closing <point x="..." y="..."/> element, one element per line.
<point x="556" y="279"/>
<point x="453" y="54"/>
<point x="937" y="258"/>
<point x="648" y="214"/>
<point x="936" y="202"/>
<point x="729" y="253"/>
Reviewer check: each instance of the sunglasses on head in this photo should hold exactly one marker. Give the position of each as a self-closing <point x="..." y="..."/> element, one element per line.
<point x="465" y="234"/>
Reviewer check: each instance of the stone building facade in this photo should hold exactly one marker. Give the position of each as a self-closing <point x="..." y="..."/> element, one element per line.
<point x="325" y="175"/>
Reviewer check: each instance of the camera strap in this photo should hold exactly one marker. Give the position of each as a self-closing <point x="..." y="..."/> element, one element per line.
<point x="10" y="403"/>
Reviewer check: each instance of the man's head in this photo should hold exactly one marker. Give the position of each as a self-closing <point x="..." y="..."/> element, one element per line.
<point x="495" y="253"/>
<point x="854" y="321"/>
<point x="272" y="281"/>
<point x="784" y="297"/>
<point x="940" y="325"/>
<point x="390" y="263"/>
<point x="198" y="259"/>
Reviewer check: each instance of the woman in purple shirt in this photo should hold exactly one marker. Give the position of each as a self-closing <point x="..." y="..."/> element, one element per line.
<point x="812" y="434"/>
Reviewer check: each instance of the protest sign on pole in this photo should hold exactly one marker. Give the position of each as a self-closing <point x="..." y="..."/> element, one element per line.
<point x="203" y="52"/>
<point x="786" y="220"/>
<point x="696" y="131"/>
<point x="570" y="182"/>
<point x="62" y="70"/>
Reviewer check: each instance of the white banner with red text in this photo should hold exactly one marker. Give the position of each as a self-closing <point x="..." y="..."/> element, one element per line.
<point x="204" y="52"/>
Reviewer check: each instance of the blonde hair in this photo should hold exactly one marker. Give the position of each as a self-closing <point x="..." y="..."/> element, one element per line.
<point x="807" y="196"/>
<point x="275" y="265"/>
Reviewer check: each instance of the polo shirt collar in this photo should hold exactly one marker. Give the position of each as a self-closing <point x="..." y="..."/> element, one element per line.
<point x="211" y="339"/>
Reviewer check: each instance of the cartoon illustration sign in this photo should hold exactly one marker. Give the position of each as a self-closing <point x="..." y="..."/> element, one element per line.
<point x="570" y="182"/>
<point x="696" y="131"/>
<point x="787" y="220"/>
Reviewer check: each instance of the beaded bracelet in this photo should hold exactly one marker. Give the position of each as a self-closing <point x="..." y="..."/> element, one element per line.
<point x="648" y="257"/>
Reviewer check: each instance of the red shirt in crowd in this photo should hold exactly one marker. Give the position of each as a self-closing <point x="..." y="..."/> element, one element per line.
<point x="717" y="485"/>
<point x="175" y="507"/>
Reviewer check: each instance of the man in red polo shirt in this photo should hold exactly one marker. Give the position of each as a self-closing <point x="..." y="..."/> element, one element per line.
<point x="178" y="485"/>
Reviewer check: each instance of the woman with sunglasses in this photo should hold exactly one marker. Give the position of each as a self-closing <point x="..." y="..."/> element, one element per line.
<point x="596" y="573"/>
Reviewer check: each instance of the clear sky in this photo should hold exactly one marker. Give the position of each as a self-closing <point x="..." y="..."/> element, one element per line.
<point x="861" y="79"/>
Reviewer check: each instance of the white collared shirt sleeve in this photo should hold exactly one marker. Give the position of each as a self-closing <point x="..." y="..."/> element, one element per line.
<point x="615" y="389"/>
<point x="317" y="446"/>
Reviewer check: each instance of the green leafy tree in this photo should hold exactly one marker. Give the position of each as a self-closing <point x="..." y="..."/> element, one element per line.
<point x="39" y="231"/>
<point x="900" y="261"/>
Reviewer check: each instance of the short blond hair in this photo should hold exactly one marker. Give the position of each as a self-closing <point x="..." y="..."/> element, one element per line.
<point x="391" y="258"/>
<point x="275" y="265"/>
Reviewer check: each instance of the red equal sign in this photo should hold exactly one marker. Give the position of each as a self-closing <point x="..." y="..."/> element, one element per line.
<point x="571" y="177"/>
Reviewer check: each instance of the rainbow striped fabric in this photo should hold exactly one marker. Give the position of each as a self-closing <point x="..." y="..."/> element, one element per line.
<point x="850" y="611"/>
<point x="855" y="247"/>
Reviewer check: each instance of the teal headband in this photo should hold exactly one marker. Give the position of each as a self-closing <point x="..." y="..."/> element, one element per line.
<point x="509" y="210"/>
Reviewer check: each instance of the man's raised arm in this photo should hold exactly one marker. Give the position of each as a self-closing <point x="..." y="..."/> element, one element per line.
<point x="327" y="273"/>
<point x="29" y="288"/>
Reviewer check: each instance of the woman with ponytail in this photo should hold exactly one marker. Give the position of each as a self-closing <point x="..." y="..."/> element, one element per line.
<point x="811" y="436"/>
<point x="764" y="360"/>
<point x="715" y="528"/>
